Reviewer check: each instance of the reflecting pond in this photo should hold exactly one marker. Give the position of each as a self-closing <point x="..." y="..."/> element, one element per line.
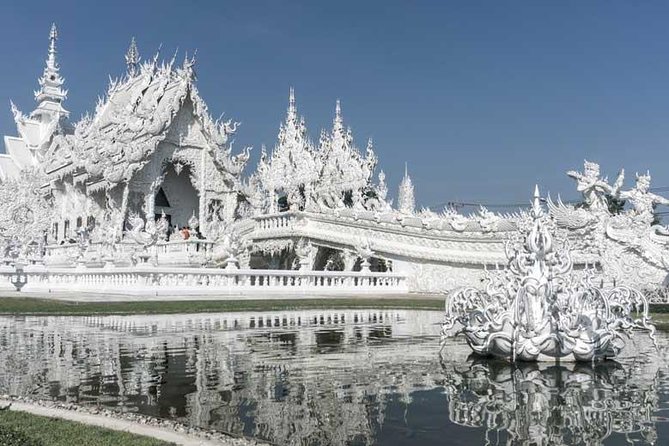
<point x="333" y="377"/>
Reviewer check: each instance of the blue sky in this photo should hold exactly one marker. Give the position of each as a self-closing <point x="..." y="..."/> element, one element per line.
<point x="482" y="99"/>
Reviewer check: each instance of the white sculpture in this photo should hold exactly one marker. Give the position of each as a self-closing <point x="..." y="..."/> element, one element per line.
<point x="406" y="202"/>
<point x="538" y="311"/>
<point x="305" y="253"/>
<point x="642" y="200"/>
<point x="593" y="187"/>
<point x="625" y="245"/>
<point x="25" y="216"/>
<point x="365" y="253"/>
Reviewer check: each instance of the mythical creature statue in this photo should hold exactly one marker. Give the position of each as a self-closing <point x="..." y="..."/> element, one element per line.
<point x="623" y="244"/>
<point x="228" y="244"/>
<point x="537" y="310"/>
<point x="143" y="233"/>
<point x="642" y="200"/>
<point x="305" y="252"/>
<point x="365" y="252"/>
<point x="593" y="187"/>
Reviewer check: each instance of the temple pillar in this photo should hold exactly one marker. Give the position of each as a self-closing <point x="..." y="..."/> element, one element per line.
<point x="202" y="189"/>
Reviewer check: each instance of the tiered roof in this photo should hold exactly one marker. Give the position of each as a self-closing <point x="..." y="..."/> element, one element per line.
<point x="109" y="147"/>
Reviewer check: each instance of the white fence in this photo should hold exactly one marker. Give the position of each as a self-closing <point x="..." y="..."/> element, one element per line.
<point x="154" y="281"/>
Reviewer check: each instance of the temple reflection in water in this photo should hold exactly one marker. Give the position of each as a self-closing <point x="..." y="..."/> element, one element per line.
<point x="319" y="377"/>
<point x="325" y="377"/>
<point x="540" y="404"/>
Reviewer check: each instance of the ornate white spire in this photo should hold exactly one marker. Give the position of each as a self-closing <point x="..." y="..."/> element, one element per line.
<point x="292" y="108"/>
<point x="338" y="123"/>
<point x="382" y="188"/>
<point x="51" y="95"/>
<point x="53" y="36"/>
<point x="292" y="168"/>
<point x="132" y="58"/>
<point x="405" y="198"/>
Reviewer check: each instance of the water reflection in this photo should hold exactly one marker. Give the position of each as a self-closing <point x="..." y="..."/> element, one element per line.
<point x="541" y="404"/>
<point x="327" y="377"/>
<point x="292" y="378"/>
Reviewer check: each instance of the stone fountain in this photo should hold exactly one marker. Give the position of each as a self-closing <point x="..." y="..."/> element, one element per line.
<point x="539" y="309"/>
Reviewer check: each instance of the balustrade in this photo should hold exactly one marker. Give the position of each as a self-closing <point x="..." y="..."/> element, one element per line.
<point x="206" y="280"/>
<point x="276" y="221"/>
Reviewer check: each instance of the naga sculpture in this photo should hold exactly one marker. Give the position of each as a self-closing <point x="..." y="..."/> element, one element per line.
<point x="538" y="310"/>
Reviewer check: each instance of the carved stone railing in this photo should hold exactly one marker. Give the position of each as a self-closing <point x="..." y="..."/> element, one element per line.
<point x="191" y="252"/>
<point x="388" y="238"/>
<point x="175" y="281"/>
<point x="283" y="220"/>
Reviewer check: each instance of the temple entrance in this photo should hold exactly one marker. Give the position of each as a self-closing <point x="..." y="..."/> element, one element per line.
<point x="177" y="197"/>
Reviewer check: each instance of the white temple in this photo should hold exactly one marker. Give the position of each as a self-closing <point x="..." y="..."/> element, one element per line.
<point x="145" y="193"/>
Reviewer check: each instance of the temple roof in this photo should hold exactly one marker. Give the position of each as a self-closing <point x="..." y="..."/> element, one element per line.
<point x="130" y="122"/>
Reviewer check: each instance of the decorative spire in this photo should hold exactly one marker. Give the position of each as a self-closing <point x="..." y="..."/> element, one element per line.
<point x="536" y="202"/>
<point x="132" y="58"/>
<point x="382" y="188"/>
<point x="292" y="108"/>
<point x="405" y="198"/>
<point x="51" y="94"/>
<point x="338" y="124"/>
<point x="53" y="36"/>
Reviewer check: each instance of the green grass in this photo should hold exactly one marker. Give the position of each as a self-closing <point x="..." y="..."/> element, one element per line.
<point x="24" y="429"/>
<point x="34" y="306"/>
<point x="661" y="320"/>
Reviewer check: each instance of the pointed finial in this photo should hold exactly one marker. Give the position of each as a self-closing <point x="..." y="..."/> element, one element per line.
<point x="338" y="121"/>
<point x="189" y="64"/>
<point x="292" y="108"/>
<point x="536" y="202"/>
<point x="53" y="36"/>
<point x="132" y="58"/>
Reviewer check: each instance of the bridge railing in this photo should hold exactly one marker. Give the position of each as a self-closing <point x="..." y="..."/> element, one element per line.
<point x="283" y="220"/>
<point x="174" y="281"/>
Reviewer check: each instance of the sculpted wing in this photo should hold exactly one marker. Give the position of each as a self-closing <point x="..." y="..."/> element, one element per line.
<point x="567" y="216"/>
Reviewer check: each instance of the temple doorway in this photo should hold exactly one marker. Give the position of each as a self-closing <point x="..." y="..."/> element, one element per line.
<point x="177" y="197"/>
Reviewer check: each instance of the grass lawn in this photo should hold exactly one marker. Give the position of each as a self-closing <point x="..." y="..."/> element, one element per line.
<point x="29" y="305"/>
<point x="24" y="429"/>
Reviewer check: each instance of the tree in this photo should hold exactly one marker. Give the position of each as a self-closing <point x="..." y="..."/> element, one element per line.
<point x="615" y="204"/>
